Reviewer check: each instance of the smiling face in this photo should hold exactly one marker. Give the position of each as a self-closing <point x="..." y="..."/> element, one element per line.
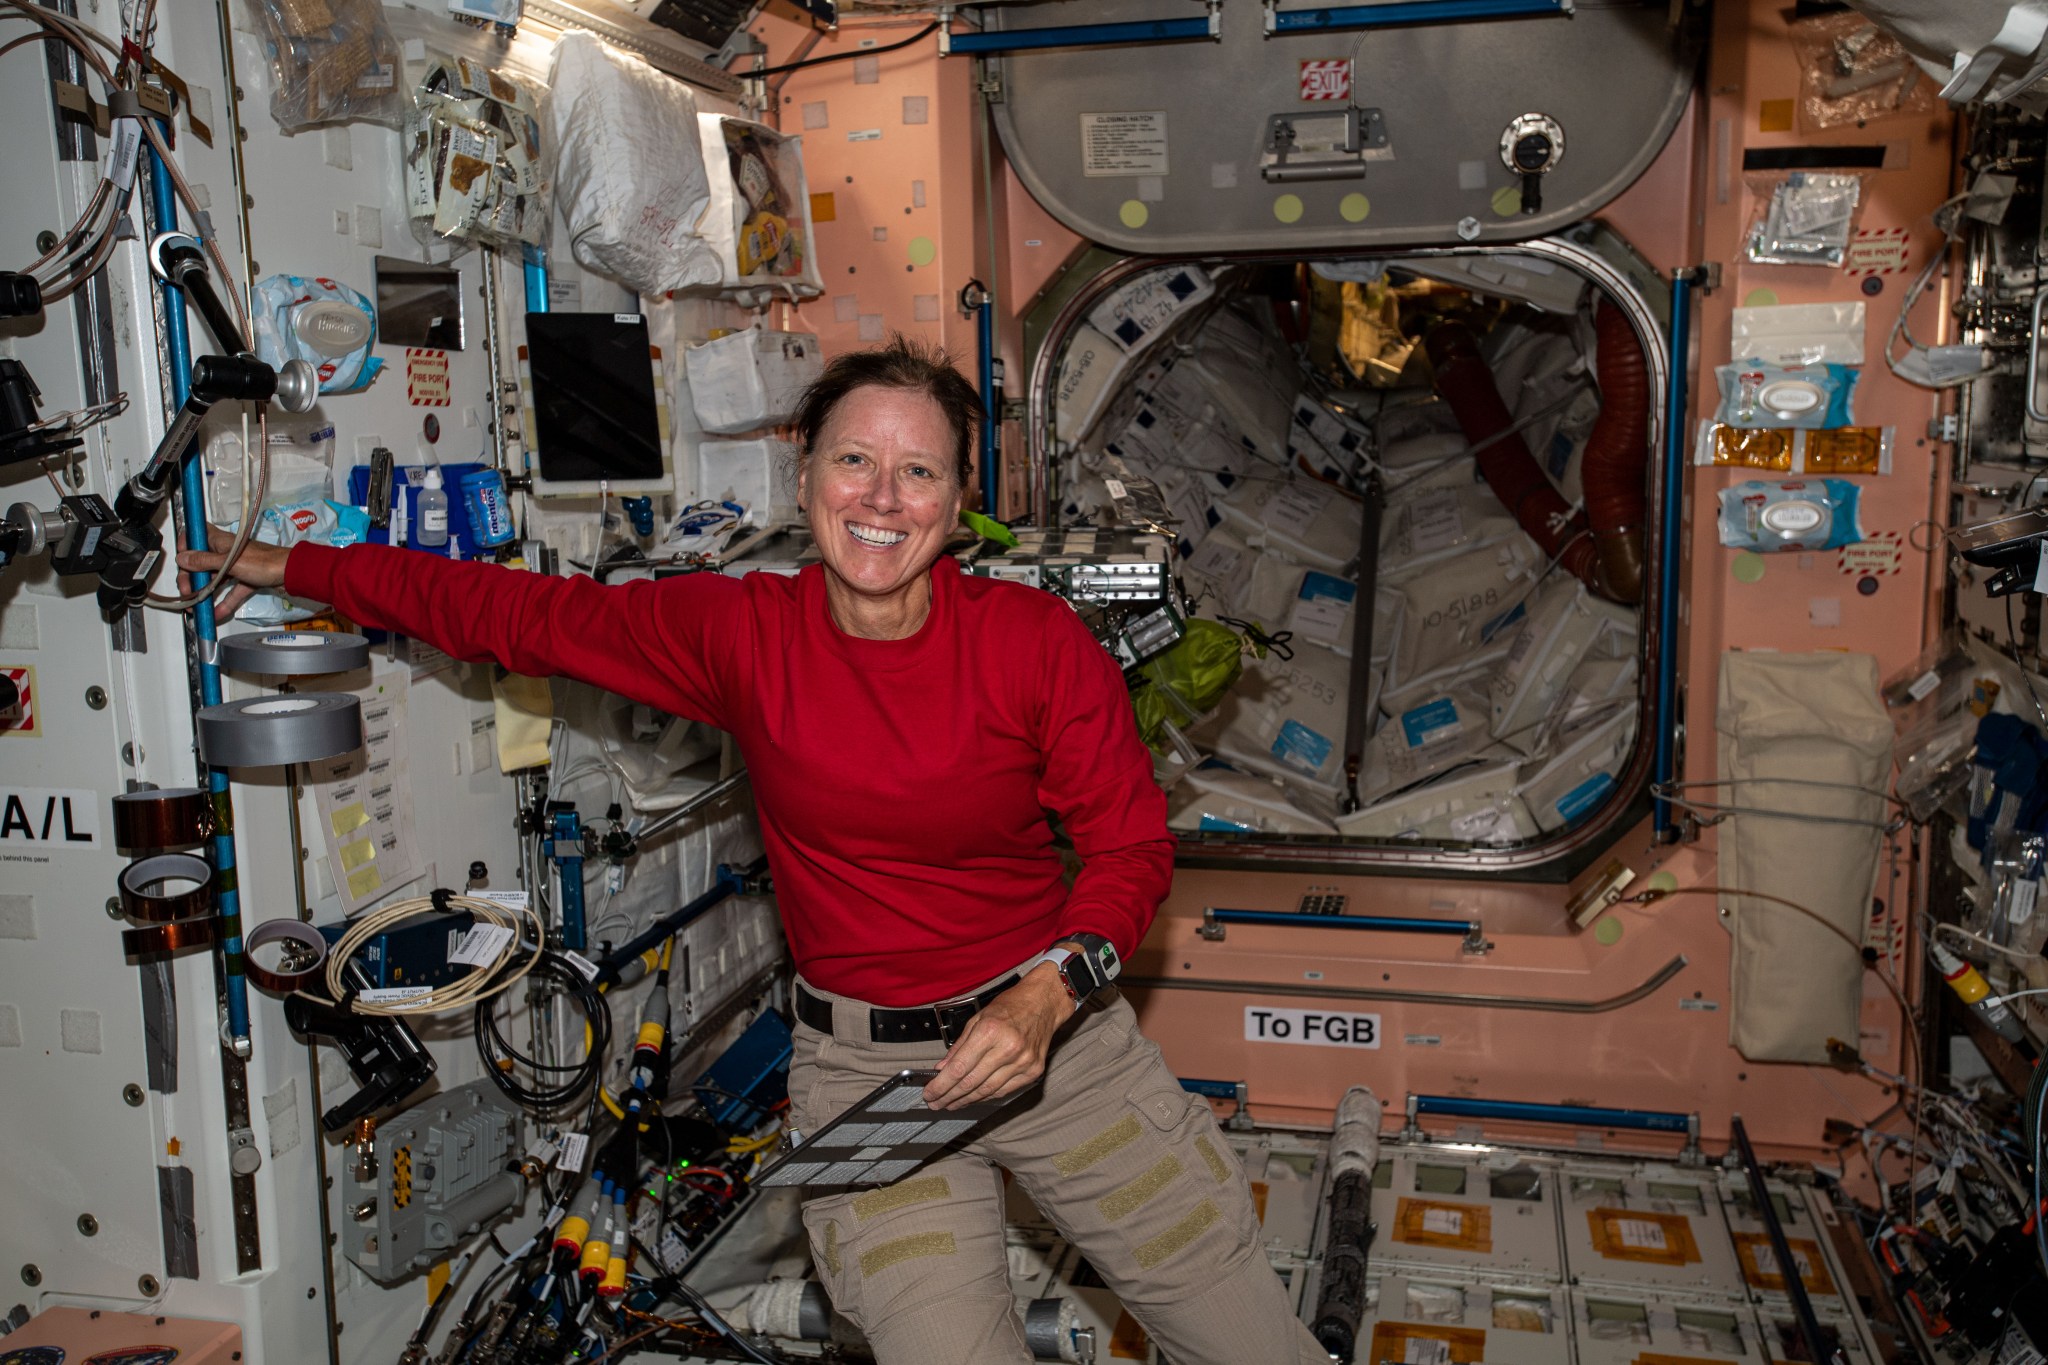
<point x="879" y="491"/>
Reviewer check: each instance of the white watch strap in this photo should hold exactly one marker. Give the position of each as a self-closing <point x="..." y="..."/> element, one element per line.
<point x="1058" y="958"/>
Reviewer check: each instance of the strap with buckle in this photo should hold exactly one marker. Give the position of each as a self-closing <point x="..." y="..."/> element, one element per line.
<point x="940" y="1022"/>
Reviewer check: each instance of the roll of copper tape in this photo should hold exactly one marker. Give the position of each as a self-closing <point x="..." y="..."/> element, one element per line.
<point x="169" y="938"/>
<point x="311" y="940"/>
<point x="153" y="908"/>
<point x="171" y="818"/>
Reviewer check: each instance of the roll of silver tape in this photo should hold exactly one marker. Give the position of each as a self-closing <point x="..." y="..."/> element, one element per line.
<point x="293" y="653"/>
<point x="303" y="958"/>
<point x="263" y="732"/>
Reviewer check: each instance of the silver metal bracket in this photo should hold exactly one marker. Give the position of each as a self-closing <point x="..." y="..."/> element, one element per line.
<point x="1210" y="929"/>
<point x="1240" y="1119"/>
<point x="1476" y="943"/>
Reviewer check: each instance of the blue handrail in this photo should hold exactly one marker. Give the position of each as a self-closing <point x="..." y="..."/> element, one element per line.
<point x="1415" y="12"/>
<point x="1665" y="762"/>
<point x="163" y="208"/>
<point x="1577" y="1115"/>
<point x="1077" y="35"/>
<point x="1389" y="924"/>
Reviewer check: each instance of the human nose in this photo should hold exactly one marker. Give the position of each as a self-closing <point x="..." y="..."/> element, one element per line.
<point x="882" y="494"/>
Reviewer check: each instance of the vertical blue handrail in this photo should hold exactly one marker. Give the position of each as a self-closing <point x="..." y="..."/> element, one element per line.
<point x="534" y="269"/>
<point x="991" y="477"/>
<point x="1665" y="765"/>
<point x="177" y="340"/>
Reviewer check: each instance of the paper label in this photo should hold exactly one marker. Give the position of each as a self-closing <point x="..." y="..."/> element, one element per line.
<point x="1292" y="509"/>
<point x="1316" y="1028"/>
<point x="1430" y="722"/>
<point x="2026" y="893"/>
<point x="673" y="1252"/>
<point x="1124" y="143"/>
<point x="1303" y="748"/>
<point x="393" y="995"/>
<point x="1436" y="521"/>
<point x="1116" y="489"/>
<point x="1449" y="1222"/>
<point x="1639" y="1232"/>
<point x="511" y="900"/>
<point x="1328" y="79"/>
<point x="1767" y="1261"/>
<point x="480" y="945"/>
<point x="121" y="156"/>
<point x="1877" y="556"/>
<point x="426" y="377"/>
<point x="581" y="964"/>
<point x="1876" y="251"/>
<point x="574" y="1146"/>
<point x="1426" y="1350"/>
<point x="1584" y="797"/>
<point x="1924" y="684"/>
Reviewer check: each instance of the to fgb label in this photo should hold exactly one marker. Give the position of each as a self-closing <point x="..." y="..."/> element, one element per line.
<point x="1318" y="1028"/>
<point x="1326" y="80"/>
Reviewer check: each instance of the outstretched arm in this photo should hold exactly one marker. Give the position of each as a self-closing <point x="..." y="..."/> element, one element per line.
<point x="655" y="643"/>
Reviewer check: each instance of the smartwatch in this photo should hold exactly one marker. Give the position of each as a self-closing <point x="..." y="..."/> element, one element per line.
<point x="1086" y="970"/>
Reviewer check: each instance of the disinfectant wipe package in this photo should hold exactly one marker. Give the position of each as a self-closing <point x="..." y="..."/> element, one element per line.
<point x="1755" y="393"/>
<point x="322" y="322"/>
<point x="1794" y="514"/>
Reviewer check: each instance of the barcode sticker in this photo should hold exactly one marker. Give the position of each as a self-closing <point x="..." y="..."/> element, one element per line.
<point x="1116" y="489"/>
<point x="393" y="995"/>
<point x="673" y="1252"/>
<point x="1449" y="1222"/>
<point x="581" y="964"/>
<point x="480" y="945"/>
<point x="1924" y="684"/>
<point x="2026" y="892"/>
<point x="511" y="900"/>
<point x="1426" y="1351"/>
<point x="574" y="1145"/>
<point x="1640" y="1232"/>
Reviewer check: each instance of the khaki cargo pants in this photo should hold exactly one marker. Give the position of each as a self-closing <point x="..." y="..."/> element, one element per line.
<point x="1131" y="1169"/>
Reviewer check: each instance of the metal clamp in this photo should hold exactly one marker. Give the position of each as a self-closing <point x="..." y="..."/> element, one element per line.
<point x="1240" y="1119"/>
<point x="2034" y="412"/>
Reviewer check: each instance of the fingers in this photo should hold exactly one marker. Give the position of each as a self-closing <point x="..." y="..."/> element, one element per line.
<point x="992" y="1058"/>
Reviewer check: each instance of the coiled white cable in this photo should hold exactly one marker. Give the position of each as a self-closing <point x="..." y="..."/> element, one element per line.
<point x="487" y="980"/>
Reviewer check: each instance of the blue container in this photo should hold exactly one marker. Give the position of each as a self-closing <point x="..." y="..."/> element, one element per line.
<point x="490" y="515"/>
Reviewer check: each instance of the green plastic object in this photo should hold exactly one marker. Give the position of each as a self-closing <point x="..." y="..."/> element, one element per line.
<point x="1188" y="680"/>
<point x="988" y="528"/>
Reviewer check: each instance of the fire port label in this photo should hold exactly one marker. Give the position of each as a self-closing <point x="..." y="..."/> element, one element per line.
<point x="1326" y="80"/>
<point x="1316" y="1028"/>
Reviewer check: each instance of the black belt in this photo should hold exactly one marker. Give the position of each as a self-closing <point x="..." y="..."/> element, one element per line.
<point x="942" y="1022"/>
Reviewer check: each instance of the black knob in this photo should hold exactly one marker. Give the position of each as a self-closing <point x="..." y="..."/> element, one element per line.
<point x="1533" y="152"/>
<point x="479" y="875"/>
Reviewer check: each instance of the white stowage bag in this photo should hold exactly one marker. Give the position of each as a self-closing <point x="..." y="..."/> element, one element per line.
<point x="1462" y="607"/>
<point x="1285" y="718"/>
<point x="1251" y="377"/>
<point x="1221" y="799"/>
<point x="1305" y="519"/>
<point x="630" y="170"/>
<point x="1575" y="779"/>
<point x="1547" y="646"/>
<point x="1091" y="373"/>
<point x="1218" y="572"/>
<point x="750" y="379"/>
<point x="1430" y="736"/>
<point x="1474" y="805"/>
<point x="1816" y="719"/>
<point x="1439" y="515"/>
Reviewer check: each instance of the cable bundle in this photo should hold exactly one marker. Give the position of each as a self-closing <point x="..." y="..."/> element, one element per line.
<point x="501" y="1058"/>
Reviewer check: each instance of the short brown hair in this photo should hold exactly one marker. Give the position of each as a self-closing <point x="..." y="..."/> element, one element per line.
<point x="902" y="364"/>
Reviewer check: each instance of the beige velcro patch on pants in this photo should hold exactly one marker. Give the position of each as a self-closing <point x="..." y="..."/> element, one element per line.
<point x="1213" y="1159"/>
<point x="1109" y="1141"/>
<point x="877" y="1202"/>
<point x="880" y="1258"/>
<point x="1174" y="1238"/>
<point x="1127" y="1199"/>
<point x="832" y="1247"/>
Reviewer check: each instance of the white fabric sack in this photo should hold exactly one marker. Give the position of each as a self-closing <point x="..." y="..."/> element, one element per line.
<point x="1799" y="334"/>
<point x="1974" y="49"/>
<point x="1561" y="625"/>
<point x="1578" y="777"/>
<point x="1430" y="736"/>
<point x="1137" y="313"/>
<point x="1216" y="798"/>
<point x="1462" y="606"/>
<point x="1328" y="444"/>
<point x="1091" y="374"/>
<point x="629" y="175"/>
<point x="1218" y="571"/>
<point x="750" y="379"/>
<point x="752" y="473"/>
<point x="1596" y="688"/>
<point x="1307" y="520"/>
<point x="1818" y="718"/>
<point x="1475" y="805"/>
<point x="1286" y="718"/>
<point x="728" y="210"/>
<point x="1408" y="455"/>
<point x="1439" y="516"/>
<point x="1251" y="376"/>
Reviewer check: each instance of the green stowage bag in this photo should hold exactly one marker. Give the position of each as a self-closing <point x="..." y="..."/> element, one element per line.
<point x="1188" y="680"/>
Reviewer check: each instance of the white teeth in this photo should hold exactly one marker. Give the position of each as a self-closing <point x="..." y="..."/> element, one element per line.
<point x="868" y="535"/>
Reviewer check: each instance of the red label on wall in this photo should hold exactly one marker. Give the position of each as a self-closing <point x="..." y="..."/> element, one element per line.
<point x="1326" y="80"/>
<point x="22" y="719"/>
<point x="426" y="378"/>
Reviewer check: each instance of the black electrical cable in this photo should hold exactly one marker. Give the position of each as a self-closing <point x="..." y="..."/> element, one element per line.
<point x="544" y="1095"/>
<point x="720" y="1326"/>
<point x="924" y="32"/>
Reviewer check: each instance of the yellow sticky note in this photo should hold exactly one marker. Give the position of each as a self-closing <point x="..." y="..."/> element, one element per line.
<point x="364" y="880"/>
<point x="356" y="854"/>
<point x="824" y="208"/>
<point x="348" y="818"/>
<point x="1774" y="116"/>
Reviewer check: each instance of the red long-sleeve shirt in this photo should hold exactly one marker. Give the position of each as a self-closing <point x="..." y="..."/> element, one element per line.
<point x="902" y="785"/>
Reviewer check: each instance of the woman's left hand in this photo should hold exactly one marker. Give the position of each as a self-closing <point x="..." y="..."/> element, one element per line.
<point x="1003" y="1048"/>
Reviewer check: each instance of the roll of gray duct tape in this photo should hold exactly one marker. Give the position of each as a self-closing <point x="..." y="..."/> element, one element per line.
<point x="262" y="732"/>
<point x="293" y="653"/>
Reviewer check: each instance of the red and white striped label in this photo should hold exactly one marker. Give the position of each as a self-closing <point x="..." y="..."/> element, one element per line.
<point x="1876" y="251"/>
<point x="1882" y="553"/>
<point x="426" y="377"/>
<point x="1326" y="80"/>
<point x="24" y="721"/>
